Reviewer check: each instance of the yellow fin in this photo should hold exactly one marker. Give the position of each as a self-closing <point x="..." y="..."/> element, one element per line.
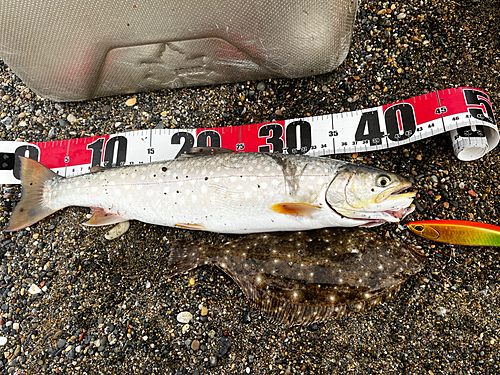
<point x="101" y="217"/>
<point x="191" y="226"/>
<point x="295" y="209"/>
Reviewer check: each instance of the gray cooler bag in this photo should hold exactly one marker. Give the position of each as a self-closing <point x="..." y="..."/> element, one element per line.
<point x="69" y="50"/>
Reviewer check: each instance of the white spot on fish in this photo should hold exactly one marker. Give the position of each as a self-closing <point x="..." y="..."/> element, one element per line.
<point x="194" y="198"/>
<point x="275" y="182"/>
<point x="94" y="189"/>
<point x="204" y="188"/>
<point x="133" y="175"/>
<point x="139" y="187"/>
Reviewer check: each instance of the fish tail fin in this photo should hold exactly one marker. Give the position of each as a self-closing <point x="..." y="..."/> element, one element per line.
<point x="183" y="257"/>
<point x="32" y="207"/>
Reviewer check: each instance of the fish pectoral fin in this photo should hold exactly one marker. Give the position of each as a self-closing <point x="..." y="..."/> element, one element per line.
<point x="295" y="209"/>
<point x="202" y="151"/>
<point x="191" y="226"/>
<point x="101" y="217"/>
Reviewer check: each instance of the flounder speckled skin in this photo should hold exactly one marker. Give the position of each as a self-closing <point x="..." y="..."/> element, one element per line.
<point x="309" y="276"/>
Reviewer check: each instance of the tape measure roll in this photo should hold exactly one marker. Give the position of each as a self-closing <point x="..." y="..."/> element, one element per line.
<point x="465" y="112"/>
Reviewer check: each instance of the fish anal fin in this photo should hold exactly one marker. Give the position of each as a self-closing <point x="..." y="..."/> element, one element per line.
<point x="32" y="207"/>
<point x="191" y="226"/>
<point x="295" y="209"/>
<point x="184" y="256"/>
<point x="282" y="309"/>
<point x="203" y="151"/>
<point x="102" y="217"/>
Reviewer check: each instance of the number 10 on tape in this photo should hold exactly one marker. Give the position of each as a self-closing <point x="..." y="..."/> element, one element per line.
<point x="464" y="112"/>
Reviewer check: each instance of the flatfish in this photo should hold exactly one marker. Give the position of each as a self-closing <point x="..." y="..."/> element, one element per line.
<point x="308" y="276"/>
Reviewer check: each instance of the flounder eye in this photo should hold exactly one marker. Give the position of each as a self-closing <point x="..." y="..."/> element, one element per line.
<point x="383" y="180"/>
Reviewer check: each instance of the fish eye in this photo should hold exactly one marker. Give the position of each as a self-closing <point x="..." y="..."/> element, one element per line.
<point x="420" y="228"/>
<point x="383" y="180"/>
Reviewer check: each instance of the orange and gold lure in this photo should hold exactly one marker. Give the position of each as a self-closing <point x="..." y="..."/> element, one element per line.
<point x="457" y="232"/>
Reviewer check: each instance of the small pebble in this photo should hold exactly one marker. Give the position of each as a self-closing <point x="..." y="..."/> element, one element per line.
<point x="7" y="120"/>
<point x="195" y="345"/>
<point x="131" y="102"/>
<point x="184" y="317"/>
<point x="3" y="340"/>
<point x="118" y="230"/>
<point x="34" y="289"/>
<point x="204" y="311"/>
<point x="71" y="118"/>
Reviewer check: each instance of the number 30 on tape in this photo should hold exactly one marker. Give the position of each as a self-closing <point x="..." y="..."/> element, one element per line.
<point x="464" y="112"/>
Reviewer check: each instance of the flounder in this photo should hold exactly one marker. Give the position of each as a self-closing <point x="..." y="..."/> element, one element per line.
<point x="309" y="276"/>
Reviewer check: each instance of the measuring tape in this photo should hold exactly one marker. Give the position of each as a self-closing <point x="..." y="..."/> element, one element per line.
<point x="465" y="112"/>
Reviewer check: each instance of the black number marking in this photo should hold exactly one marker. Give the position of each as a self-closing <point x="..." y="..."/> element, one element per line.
<point x="96" y="148"/>
<point x="333" y="133"/>
<point x="121" y="151"/>
<point x="240" y="146"/>
<point x="207" y="135"/>
<point x="273" y="133"/>
<point x="7" y="160"/>
<point x="188" y="142"/>
<point x="467" y="132"/>
<point x="440" y="110"/>
<point x="369" y="128"/>
<point x="305" y="137"/>
<point x="406" y="118"/>
<point x="28" y="151"/>
<point x="476" y="97"/>
<point x="151" y="151"/>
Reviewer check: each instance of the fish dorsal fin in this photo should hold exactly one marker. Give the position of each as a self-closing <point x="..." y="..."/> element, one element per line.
<point x="203" y="151"/>
<point x="101" y="217"/>
<point x="295" y="209"/>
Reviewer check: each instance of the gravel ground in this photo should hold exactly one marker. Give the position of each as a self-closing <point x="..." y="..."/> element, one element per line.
<point x="105" y="306"/>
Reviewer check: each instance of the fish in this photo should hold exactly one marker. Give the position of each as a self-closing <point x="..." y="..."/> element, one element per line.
<point x="220" y="191"/>
<point x="307" y="276"/>
<point x="457" y="232"/>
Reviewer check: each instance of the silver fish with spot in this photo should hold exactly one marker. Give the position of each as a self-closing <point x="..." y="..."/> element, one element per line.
<point x="310" y="276"/>
<point x="222" y="192"/>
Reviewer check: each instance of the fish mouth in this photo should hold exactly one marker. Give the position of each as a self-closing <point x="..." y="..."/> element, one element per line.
<point x="393" y="208"/>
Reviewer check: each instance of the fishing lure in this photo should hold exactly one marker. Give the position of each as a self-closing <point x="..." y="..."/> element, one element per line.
<point x="457" y="232"/>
